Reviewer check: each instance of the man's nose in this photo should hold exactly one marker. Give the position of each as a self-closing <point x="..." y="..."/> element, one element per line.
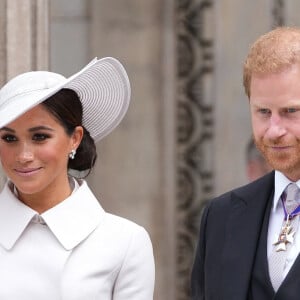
<point x="276" y="127"/>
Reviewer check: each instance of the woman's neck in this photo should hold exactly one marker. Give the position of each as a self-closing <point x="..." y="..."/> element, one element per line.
<point x="46" y="198"/>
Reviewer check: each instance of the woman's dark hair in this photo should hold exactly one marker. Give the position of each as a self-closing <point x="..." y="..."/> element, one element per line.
<point x="66" y="107"/>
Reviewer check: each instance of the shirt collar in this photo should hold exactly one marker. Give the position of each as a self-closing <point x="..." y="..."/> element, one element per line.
<point x="71" y="221"/>
<point x="14" y="217"/>
<point x="281" y="182"/>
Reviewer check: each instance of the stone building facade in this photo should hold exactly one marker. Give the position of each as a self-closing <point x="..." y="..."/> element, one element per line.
<point x="183" y="140"/>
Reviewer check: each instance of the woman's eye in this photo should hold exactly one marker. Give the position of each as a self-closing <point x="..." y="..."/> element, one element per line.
<point x="40" y="137"/>
<point x="9" y="138"/>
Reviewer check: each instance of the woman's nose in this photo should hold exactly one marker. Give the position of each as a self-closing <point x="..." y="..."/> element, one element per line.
<point x="25" y="154"/>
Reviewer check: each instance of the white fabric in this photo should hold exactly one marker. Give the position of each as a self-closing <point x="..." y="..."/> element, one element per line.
<point x="74" y="251"/>
<point x="275" y="223"/>
<point x="102" y="86"/>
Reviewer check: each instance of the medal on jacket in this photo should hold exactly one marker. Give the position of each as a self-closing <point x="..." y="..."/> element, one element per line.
<point x="286" y="235"/>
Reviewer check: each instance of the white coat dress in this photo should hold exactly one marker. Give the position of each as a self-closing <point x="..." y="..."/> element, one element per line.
<point x="73" y="251"/>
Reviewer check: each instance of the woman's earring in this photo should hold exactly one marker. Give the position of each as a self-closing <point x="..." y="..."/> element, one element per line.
<point x="72" y="154"/>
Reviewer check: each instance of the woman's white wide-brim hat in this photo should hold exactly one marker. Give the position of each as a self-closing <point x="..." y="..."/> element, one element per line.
<point x="102" y="86"/>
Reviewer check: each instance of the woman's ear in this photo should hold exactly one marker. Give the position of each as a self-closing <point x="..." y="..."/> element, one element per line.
<point x="77" y="136"/>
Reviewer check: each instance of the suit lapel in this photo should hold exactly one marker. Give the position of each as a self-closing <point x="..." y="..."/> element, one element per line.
<point x="248" y="205"/>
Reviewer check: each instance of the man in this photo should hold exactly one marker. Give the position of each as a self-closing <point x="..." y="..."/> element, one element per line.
<point x="249" y="237"/>
<point x="256" y="165"/>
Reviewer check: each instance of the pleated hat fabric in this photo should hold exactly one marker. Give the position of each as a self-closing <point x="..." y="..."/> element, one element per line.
<point x="102" y="86"/>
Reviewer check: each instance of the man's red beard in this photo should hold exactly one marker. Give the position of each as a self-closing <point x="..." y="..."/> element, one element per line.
<point x="286" y="161"/>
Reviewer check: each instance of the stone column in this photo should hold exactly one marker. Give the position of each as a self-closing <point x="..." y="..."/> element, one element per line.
<point x="290" y="11"/>
<point x="23" y="37"/>
<point x="135" y="173"/>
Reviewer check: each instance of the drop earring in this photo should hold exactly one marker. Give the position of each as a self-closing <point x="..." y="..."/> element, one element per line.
<point x="72" y="154"/>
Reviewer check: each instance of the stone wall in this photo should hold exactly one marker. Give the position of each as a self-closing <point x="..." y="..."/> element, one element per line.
<point x="135" y="169"/>
<point x="184" y="137"/>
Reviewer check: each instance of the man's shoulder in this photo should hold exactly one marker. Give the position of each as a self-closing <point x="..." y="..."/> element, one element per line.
<point x="262" y="186"/>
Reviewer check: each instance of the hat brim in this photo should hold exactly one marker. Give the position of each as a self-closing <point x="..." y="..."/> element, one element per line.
<point x="104" y="91"/>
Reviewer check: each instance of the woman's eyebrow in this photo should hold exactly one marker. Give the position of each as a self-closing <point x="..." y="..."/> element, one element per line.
<point x="7" y="129"/>
<point x="40" y="128"/>
<point x="30" y="129"/>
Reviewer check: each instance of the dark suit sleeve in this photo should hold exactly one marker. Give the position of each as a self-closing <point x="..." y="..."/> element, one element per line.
<point x="198" y="278"/>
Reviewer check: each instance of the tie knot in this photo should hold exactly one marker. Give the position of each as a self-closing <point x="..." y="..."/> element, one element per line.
<point x="292" y="195"/>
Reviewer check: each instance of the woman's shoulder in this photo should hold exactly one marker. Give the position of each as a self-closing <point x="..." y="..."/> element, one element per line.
<point x="122" y="226"/>
<point x="119" y="235"/>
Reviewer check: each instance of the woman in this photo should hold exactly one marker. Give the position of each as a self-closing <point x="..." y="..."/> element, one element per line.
<point x="56" y="241"/>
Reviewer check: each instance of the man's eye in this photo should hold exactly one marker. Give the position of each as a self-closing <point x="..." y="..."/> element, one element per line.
<point x="264" y="111"/>
<point x="8" y="138"/>
<point x="291" y="110"/>
<point x="40" y="137"/>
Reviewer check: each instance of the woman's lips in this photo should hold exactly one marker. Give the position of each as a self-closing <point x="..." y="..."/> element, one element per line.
<point x="27" y="172"/>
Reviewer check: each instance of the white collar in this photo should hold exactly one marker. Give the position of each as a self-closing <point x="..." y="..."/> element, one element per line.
<point x="281" y="182"/>
<point x="71" y="221"/>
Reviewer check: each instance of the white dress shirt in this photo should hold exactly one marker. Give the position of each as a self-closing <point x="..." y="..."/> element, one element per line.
<point x="73" y="251"/>
<point x="276" y="221"/>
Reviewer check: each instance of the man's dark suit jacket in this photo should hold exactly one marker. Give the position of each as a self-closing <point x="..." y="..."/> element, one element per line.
<point x="229" y="234"/>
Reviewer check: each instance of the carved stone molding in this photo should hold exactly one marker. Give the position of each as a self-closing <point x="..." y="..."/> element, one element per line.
<point x="194" y="129"/>
<point x="278" y="13"/>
